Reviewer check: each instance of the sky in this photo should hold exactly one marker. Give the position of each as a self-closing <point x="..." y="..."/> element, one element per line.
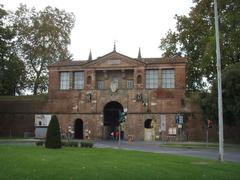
<point x="132" y="24"/>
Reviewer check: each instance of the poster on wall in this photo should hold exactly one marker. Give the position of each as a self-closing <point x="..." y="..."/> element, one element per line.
<point x="162" y="123"/>
<point x="41" y="124"/>
<point x="42" y="120"/>
<point x="172" y="131"/>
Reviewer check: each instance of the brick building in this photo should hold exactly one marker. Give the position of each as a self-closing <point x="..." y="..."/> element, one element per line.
<point x="89" y="95"/>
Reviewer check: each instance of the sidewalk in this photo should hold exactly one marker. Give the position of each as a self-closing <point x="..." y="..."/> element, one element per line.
<point x="155" y="146"/>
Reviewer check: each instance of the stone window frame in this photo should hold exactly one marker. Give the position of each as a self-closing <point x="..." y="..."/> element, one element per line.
<point x="130" y="84"/>
<point x="78" y="83"/>
<point x="168" y="78"/>
<point x="100" y="84"/>
<point x="64" y="80"/>
<point x="152" y="78"/>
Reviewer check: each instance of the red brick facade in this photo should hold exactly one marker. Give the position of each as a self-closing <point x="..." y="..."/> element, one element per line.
<point x="95" y="107"/>
<point x="74" y="104"/>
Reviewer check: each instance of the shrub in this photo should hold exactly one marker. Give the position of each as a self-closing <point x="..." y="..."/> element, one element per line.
<point x="86" y="144"/>
<point x="73" y="144"/>
<point x="39" y="143"/>
<point x="63" y="143"/>
<point x="70" y="144"/>
<point x="53" y="139"/>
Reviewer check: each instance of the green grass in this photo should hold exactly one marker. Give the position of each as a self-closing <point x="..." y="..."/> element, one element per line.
<point x="30" y="162"/>
<point x="201" y="146"/>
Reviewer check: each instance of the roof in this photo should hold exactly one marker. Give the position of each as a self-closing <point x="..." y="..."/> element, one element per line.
<point x="69" y="63"/>
<point x="163" y="60"/>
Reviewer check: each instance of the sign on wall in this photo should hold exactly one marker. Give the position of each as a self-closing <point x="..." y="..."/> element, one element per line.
<point x="162" y="123"/>
<point x="179" y="119"/>
<point x="113" y="62"/>
<point x="41" y="123"/>
<point x="42" y="119"/>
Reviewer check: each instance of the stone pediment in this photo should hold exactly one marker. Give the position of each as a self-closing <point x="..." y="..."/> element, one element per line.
<point x="113" y="60"/>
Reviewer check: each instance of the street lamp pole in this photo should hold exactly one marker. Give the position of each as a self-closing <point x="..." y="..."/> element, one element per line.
<point x="219" y="80"/>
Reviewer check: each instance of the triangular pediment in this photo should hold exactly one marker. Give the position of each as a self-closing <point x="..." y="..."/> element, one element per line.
<point x="113" y="60"/>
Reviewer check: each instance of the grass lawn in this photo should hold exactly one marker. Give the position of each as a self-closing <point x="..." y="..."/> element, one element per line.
<point x="201" y="146"/>
<point x="30" y="162"/>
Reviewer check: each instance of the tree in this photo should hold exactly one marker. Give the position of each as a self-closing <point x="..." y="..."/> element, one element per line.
<point x="53" y="139"/>
<point x="195" y="39"/>
<point x="12" y="69"/>
<point x="169" y="44"/>
<point x="42" y="39"/>
<point x="231" y="98"/>
<point x="231" y="95"/>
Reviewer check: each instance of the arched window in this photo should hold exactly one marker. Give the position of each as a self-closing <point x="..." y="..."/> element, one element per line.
<point x="139" y="79"/>
<point x="89" y="80"/>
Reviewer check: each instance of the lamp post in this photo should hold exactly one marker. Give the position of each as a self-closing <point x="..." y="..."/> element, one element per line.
<point x="219" y="80"/>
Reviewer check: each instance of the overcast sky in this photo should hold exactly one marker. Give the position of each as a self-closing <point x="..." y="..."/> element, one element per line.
<point x="132" y="23"/>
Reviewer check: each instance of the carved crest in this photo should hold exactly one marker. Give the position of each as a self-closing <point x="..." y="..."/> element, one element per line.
<point x="114" y="86"/>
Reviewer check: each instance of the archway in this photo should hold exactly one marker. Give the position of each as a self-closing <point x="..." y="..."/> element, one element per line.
<point x="111" y="117"/>
<point x="149" y="131"/>
<point x="148" y="124"/>
<point x="78" y="129"/>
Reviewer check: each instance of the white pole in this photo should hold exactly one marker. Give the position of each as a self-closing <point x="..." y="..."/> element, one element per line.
<point x="219" y="80"/>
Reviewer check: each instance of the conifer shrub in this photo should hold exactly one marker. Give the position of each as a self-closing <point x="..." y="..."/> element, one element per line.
<point x="53" y="138"/>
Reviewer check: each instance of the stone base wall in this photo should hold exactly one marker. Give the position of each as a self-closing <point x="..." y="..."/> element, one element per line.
<point x="134" y="124"/>
<point x="17" y="117"/>
<point x="17" y="125"/>
<point x="20" y="125"/>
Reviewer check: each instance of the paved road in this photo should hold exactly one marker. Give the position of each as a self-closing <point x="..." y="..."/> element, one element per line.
<point x="229" y="155"/>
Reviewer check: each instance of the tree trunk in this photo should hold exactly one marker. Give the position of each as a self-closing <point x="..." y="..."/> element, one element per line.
<point x="35" y="87"/>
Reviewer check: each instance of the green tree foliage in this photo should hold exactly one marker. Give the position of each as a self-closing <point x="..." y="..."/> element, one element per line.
<point x="231" y="94"/>
<point x="195" y="38"/>
<point x="208" y="105"/>
<point x="170" y="45"/>
<point x="53" y="139"/>
<point x="12" y="70"/>
<point x="231" y="98"/>
<point x="42" y="39"/>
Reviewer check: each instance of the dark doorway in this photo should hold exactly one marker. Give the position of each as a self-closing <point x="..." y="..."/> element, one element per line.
<point x="111" y="112"/>
<point x="148" y="124"/>
<point x="78" y="129"/>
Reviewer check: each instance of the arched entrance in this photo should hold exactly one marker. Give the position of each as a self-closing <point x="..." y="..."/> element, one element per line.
<point x="149" y="131"/>
<point x="111" y="117"/>
<point x="148" y="124"/>
<point x="78" y="129"/>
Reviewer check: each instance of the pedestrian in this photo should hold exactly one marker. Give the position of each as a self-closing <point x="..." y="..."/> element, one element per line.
<point x="112" y="135"/>
<point x="116" y="135"/>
